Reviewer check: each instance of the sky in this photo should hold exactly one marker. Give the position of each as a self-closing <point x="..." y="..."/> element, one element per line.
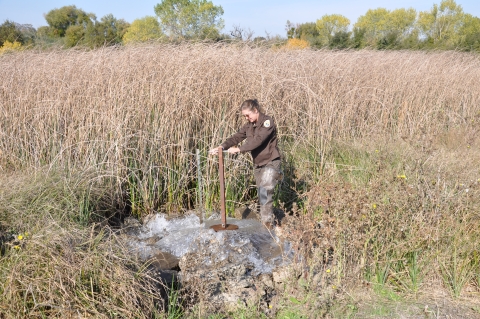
<point x="260" y="16"/>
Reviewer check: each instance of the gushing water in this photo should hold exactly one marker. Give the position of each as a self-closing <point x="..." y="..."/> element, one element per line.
<point x="251" y="244"/>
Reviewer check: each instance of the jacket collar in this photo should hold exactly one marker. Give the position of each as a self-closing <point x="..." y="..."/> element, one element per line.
<point x="260" y="120"/>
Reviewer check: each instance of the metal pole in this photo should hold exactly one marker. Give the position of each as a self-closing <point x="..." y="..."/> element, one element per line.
<point x="223" y="225"/>
<point x="221" y="173"/>
<point x="200" y="187"/>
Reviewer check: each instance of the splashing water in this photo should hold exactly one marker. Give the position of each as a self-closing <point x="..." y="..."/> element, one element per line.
<point x="251" y="244"/>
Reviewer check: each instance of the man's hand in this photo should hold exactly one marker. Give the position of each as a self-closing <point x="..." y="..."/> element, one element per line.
<point x="214" y="151"/>
<point x="233" y="150"/>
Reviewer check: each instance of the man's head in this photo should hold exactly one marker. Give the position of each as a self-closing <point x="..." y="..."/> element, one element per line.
<point x="250" y="110"/>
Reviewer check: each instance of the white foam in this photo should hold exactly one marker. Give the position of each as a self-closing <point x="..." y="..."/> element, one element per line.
<point x="159" y="225"/>
<point x="249" y="244"/>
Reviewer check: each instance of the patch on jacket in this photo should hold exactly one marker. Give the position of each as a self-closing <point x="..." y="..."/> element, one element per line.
<point x="266" y="123"/>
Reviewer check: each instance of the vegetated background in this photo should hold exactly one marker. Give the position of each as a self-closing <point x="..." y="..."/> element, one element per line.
<point x="445" y="26"/>
<point x="380" y="160"/>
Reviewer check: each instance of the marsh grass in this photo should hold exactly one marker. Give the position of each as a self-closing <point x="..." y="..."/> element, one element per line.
<point x="66" y="261"/>
<point x="380" y="166"/>
<point x="139" y="113"/>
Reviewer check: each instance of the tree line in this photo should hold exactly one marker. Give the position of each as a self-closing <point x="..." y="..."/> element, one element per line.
<point x="71" y="26"/>
<point x="444" y="26"/>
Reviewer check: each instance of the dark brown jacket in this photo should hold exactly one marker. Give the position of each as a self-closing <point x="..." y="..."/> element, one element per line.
<point x="261" y="140"/>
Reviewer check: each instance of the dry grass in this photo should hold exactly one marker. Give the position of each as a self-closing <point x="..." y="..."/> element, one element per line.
<point x="392" y="221"/>
<point x="109" y="96"/>
<point x="67" y="273"/>
<point x="382" y="148"/>
<point x="54" y="262"/>
<point x="138" y="113"/>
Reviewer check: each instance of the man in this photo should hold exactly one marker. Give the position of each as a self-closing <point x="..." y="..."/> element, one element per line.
<point x="260" y="133"/>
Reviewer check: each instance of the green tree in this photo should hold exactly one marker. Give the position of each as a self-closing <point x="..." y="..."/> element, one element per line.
<point x="45" y="32"/>
<point x="402" y="22"/>
<point x="340" y="40"/>
<point x="358" y="40"/>
<point x="74" y="35"/>
<point x="442" y="23"/>
<point x="389" y="40"/>
<point x="10" y="32"/>
<point x="190" y="18"/>
<point x="374" y="25"/>
<point x="386" y="29"/>
<point x="470" y="33"/>
<point x="61" y="19"/>
<point x="28" y="31"/>
<point x="401" y="31"/>
<point x="142" y="30"/>
<point x="45" y="37"/>
<point x="108" y="31"/>
<point x="411" y="40"/>
<point x="307" y="31"/>
<point x="290" y="28"/>
<point x="332" y="24"/>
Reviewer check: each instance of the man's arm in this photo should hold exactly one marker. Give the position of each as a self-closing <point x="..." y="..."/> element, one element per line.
<point x="235" y="138"/>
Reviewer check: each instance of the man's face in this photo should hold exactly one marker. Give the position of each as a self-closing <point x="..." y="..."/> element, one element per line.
<point x="251" y="116"/>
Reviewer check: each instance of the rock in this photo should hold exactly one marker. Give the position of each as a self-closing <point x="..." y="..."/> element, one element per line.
<point x="152" y="240"/>
<point x="245" y="213"/>
<point x="131" y="222"/>
<point x="267" y="280"/>
<point x="318" y="280"/>
<point x="230" y="299"/>
<point x="242" y="283"/>
<point x="131" y="226"/>
<point x="249" y="296"/>
<point x="163" y="260"/>
<point x="168" y="276"/>
<point x="238" y="298"/>
<point x="214" y="216"/>
<point x="281" y="275"/>
<point x="224" y="269"/>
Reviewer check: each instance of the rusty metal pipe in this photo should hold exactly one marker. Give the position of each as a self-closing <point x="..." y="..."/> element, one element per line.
<point x="221" y="174"/>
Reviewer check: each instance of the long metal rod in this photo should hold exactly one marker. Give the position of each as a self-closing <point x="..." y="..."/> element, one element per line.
<point x="223" y="225"/>
<point x="200" y="187"/>
<point x="222" y="187"/>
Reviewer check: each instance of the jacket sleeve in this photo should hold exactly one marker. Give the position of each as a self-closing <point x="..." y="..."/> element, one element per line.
<point x="261" y="135"/>
<point x="235" y="138"/>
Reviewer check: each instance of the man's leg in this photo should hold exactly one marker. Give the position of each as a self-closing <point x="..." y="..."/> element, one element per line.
<point x="266" y="179"/>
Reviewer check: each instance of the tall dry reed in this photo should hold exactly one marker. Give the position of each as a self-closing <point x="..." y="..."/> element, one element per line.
<point x="141" y="111"/>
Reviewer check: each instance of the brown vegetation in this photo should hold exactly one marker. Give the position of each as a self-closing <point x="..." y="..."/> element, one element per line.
<point x="91" y="107"/>
<point x="150" y="107"/>
<point x="381" y="148"/>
